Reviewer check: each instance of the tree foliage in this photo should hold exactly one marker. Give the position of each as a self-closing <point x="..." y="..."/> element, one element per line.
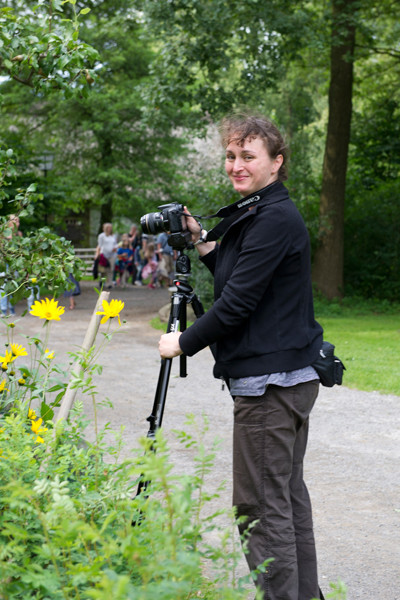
<point x="253" y="55"/>
<point x="214" y="56"/>
<point x="40" y="47"/>
<point x="164" y="73"/>
<point x="105" y="154"/>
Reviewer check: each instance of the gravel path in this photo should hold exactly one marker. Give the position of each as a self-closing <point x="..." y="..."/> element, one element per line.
<point x="352" y="464"/>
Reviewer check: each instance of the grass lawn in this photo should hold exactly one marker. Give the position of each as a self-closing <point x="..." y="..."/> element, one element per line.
<point x="369" y="346"/>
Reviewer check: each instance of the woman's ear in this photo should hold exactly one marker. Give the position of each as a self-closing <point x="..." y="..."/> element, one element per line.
<point x="278" y="162"/>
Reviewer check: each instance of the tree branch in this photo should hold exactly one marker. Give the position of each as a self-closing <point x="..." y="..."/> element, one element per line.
<point x="23" y="81"/>
<point x="374" y="50"/>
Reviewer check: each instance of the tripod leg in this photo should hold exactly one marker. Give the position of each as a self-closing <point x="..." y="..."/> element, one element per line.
<point x="183" y="323"/>
<point x="178" y="304"/>
<point x="197" y="306"/>
<point x="155" y="419"/>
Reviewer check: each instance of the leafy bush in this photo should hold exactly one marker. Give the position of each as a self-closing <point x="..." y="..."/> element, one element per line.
<point x="372" y="244"/>
<point x="71" y="529"/>
<point x="353" y="306"/>
<point x="40" y="258"/>
<point x="71" y="525"/>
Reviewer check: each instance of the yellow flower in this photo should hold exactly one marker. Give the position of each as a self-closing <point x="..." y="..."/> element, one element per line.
<point x="47" y="309"/>
<point x="49" y="354"/>
<point x="21" y="381"/>
<point x="33" y="279"/>
<point x="37" y="428"/>
<point x="39" y="440"/>
<point x="6" y="360"/>
<point x="111" y="310"/>
<point x="31" y="414"/>
<point x="36" y="425"/>
<point x="3" y="386"/>
<point x="18" y="350"/>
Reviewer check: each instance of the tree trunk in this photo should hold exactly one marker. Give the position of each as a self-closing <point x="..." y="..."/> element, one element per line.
<point x="328" y="262"/>
<point x="106" y="214"/>
<point x="106" y="208"/>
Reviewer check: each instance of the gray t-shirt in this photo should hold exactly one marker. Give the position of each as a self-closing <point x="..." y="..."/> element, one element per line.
<point x="256" y="385"/>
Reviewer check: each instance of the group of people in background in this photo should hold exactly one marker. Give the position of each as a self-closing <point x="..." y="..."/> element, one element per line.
<point x="136" y="258"/>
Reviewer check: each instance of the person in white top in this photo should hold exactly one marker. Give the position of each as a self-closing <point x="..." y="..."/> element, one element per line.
<point x="106" y="253"/>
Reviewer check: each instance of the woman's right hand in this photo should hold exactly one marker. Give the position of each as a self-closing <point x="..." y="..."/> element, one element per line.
<point x="196" y="230"/>
<point x="193" y="225"/>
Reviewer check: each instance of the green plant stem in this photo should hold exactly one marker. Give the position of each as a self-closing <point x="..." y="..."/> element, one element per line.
<point x="96" y="431"/>
<point x="16" y="289"/>
<point x="170" y="509"/>
<point x="103" y="343"/>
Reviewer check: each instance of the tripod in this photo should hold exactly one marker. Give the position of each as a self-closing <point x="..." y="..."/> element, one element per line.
<point x="183" y="296"/>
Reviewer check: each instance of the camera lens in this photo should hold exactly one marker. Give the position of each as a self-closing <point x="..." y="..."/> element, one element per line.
<point x="152" y="223"/>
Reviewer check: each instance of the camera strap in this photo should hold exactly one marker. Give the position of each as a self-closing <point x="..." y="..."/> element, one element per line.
<point x="233" y="211"/>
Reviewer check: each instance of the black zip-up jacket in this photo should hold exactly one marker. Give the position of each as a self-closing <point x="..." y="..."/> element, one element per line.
<point x="262" y="320"/>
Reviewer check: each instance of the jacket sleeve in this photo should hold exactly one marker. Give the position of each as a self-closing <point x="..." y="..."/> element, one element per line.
<point x="210" y="259"/>
<point x="265" y="243"/>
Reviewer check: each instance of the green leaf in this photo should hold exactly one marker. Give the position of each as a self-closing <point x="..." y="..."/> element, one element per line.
<point x="46" y="412"/>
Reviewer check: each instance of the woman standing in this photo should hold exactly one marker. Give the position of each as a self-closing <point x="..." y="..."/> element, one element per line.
<point x="106" y="253"/>
<point x="266" y="339"/>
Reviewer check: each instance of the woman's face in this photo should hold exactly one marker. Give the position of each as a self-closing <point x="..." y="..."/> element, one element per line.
<point x="249" y="166"/>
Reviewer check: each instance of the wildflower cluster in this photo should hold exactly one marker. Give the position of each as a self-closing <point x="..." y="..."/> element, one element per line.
<point x="39" y="382"/>
<point x="8" y="368"/>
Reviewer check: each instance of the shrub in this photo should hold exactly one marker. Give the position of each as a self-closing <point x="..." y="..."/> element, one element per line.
<point x="372" y="244"/>
<point x="71" y="526"/>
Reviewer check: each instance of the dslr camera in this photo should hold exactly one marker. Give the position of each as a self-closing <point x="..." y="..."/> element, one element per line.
<point x="171" y="220"/>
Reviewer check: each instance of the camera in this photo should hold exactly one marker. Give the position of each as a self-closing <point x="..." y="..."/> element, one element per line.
<point x="171" y="220"/>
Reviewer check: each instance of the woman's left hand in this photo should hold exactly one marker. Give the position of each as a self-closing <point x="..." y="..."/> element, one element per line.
<point x="168" y="345"/>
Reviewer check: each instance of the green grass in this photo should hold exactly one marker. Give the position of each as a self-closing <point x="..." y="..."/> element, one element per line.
<point x="156" y="323"/>
<point x="369" y="346"/>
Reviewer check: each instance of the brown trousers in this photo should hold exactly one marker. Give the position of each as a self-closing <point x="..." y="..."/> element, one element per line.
<point x="270" y="439"/>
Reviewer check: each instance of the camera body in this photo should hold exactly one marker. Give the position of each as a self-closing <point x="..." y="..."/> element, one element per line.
<point x="171" y="220"/>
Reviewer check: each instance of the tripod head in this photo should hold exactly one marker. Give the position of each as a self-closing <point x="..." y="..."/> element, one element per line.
<point x="182" y="267"/>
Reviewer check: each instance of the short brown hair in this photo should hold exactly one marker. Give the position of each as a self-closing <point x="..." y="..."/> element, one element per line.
<point x="240" y="126"/>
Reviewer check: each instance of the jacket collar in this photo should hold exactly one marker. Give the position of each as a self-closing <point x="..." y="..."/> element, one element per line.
<point x="275" y="192"/>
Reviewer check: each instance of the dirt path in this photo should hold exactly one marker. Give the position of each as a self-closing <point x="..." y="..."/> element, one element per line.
<point x="352" y="466"/>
